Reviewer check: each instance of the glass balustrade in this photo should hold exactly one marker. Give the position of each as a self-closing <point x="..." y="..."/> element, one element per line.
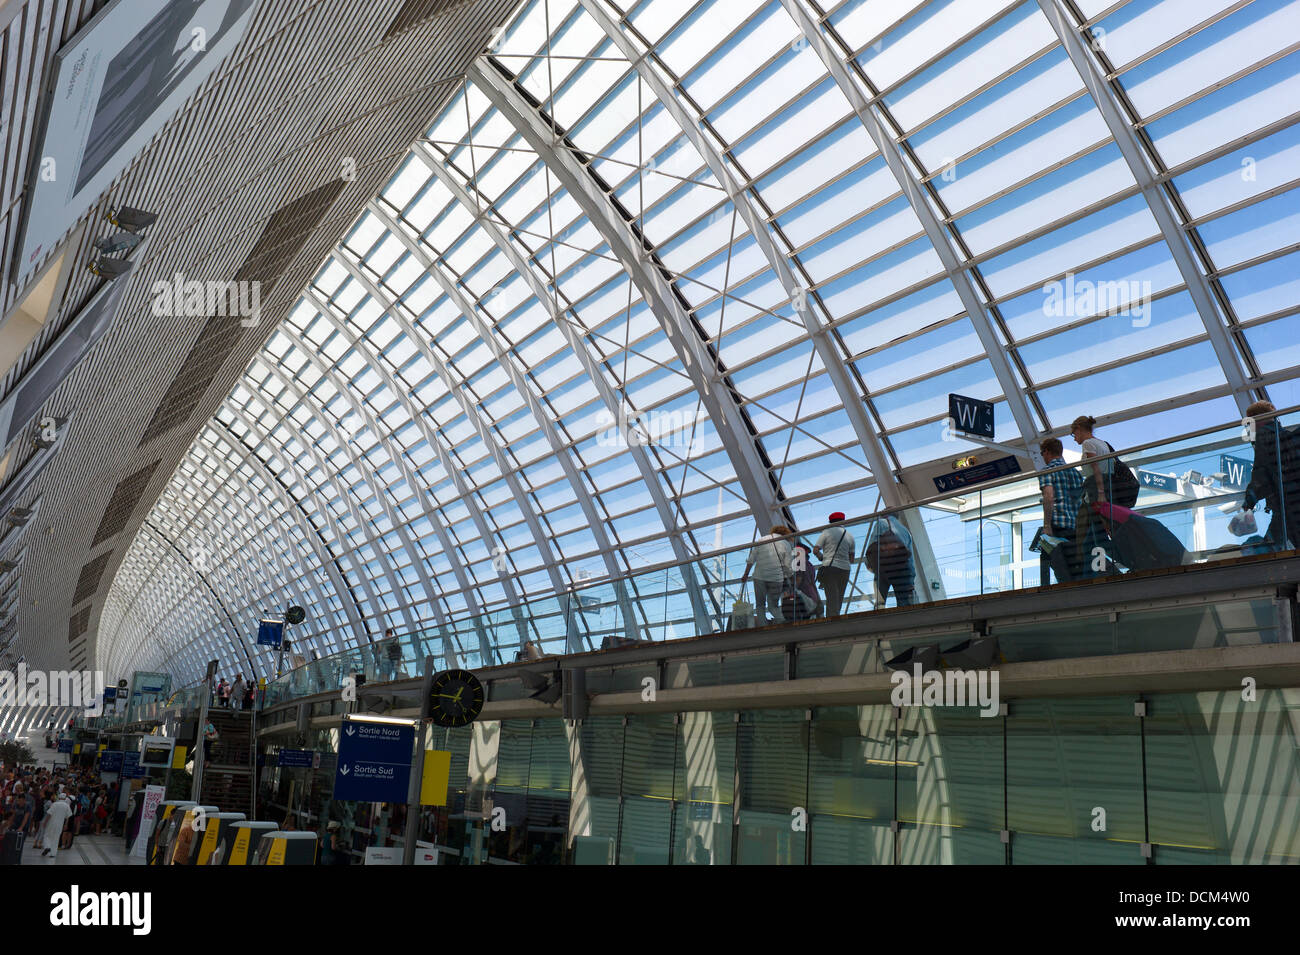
<point x="1222" y="493"/>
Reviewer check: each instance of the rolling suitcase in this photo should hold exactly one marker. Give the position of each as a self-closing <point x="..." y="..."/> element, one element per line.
<point x="11" y="848"/>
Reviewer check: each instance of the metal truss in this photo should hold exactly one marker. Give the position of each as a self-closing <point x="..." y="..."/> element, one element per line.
<point x="1103" y="95"/>
<point x="698" y="361"/>
<point x="867" y="110"/>
<point x="528" y="270"/>
<point x="824" y="341"/>
<point x="545" y="420"/>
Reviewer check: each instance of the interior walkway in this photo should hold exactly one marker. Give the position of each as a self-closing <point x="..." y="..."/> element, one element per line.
<point x="86" y="850"/>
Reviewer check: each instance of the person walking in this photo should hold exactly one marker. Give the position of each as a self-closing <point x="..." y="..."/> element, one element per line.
<point x="55" y="819"/>
<point x="887" y="552"/>
<point x="237" y="692"/>
<point x="835" y="551"/>
<point x="1275" y="475"/>
<point x="394" y="656"/>
<point x="770" y="559"/>
<point x="210" y="736"/>
<point x="1062" y="493"/>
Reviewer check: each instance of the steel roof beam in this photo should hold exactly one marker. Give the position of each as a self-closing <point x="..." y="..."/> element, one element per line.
<point x="545" y="420"/>
<point x="1103" y="95"/>
<point x="436" y="520"/>
<point x="825" y="342"/>
<point x="698" y="361"/>
<point x="868" y="113"/>
<point x="578" y="345"/>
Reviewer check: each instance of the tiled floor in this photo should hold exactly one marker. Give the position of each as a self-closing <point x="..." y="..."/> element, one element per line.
<point x="86" y="850"/>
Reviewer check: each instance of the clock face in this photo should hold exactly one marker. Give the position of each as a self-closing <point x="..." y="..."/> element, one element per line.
<point x="456" y="698"/>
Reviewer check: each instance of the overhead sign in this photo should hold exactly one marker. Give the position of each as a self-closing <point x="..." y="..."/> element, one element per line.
<point x="113" y="87"/>
<point x="977" y="474"/>
<point x="1161" y="482"/>
<point x="1237" y="471"/>
<point x="110" y="761"/>
<point x="971" y="416"/>
<point x="296" y="758"/>
<point x="270" y="633"/>
<point x="374" y="761"/>
<point x="131" y="766"/>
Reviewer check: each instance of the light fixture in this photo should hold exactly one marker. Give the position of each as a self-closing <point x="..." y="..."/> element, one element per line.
<point x="118" y="242"/>
<point x="106" y="267"/>
<point x="133" y="220"/>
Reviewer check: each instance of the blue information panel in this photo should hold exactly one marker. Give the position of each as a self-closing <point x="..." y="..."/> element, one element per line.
<point x="110" y="761"/>
<point x="374" y="761"/>
<point x="270" y="633"/>
<point x="1161" y="482"/>
<point x="65" y="746"/>
<point x="1237" y="471"/>
<point x="131" y="766"/>
<point x="296" y="758"/>
<point x="110" y="693"/>
<point x="977" y="474"/>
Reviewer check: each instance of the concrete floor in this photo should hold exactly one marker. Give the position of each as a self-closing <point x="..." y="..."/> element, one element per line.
<point x="86" y="850"/>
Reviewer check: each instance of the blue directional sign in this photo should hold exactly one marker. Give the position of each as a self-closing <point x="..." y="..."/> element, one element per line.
<point x="971" y="416"/>
<point x="110" y="693"/>
<point x="977" y="474"/>
<point x="270" y="633"/>
<point x="110" y="761"/>
<point x="65" y="746"/>
<point x="131" y="766"/>
<point x="296" y="758"/>
<point x="374" y="761"/>
<point x="1161" y="482"/>
<point x="1238" y="471"/>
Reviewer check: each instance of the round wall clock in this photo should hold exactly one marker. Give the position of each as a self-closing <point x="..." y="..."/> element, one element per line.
<point x="456" y="698"/>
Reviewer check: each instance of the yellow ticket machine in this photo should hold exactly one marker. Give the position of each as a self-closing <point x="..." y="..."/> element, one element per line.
<point x="241" y="841"/>
<point x="165" y="810"/>
<point x="183" y="848"/>
<point x="287" y="848"/>
<point x="216" y="824"/>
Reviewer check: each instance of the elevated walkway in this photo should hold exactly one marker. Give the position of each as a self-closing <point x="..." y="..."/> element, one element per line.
<point x="967" y="556"/>
<point x="1194" y="627"/>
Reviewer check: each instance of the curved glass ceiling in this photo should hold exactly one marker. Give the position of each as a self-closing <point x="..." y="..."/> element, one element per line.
<point x="657" y="274"/>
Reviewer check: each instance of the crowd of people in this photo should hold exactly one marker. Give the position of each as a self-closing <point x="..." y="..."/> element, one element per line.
<point x="234" y="696"/>
<point x="1089" y="521"/>
<point x="788" y="586"/>
<point x="1088" y="526"/>
<point x="52" y="806"/>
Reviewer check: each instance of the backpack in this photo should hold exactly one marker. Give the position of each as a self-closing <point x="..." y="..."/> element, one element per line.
<point x="1124" y="484"/>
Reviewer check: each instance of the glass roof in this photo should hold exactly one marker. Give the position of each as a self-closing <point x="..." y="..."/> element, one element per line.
<point x="657" y="274"/>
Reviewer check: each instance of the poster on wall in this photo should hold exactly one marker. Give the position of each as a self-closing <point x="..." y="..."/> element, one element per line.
<point x="112" y="87"/>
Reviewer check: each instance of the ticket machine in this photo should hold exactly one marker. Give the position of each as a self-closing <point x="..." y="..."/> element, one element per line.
<point x="166" y="808"/>
<point x="239" y="842"/>
<point x="287" y="848"/>
<point x="216" y="823"/>
<point x="182" y="847"/>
